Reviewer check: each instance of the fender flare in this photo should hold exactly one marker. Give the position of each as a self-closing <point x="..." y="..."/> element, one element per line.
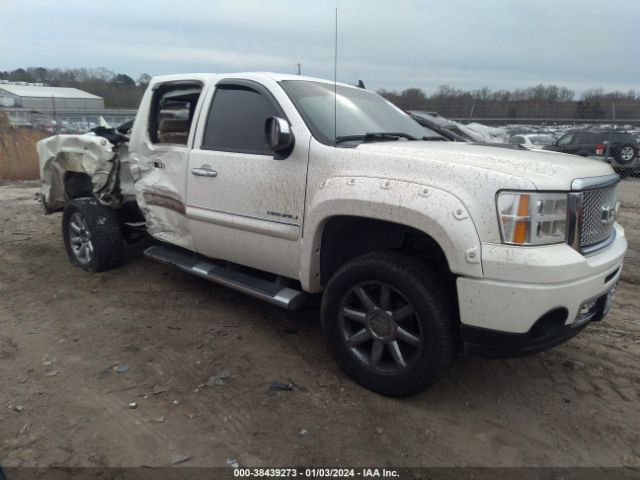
<point x="435" y="212"/>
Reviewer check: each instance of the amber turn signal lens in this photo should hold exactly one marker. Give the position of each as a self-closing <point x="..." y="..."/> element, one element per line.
<point x="520" y="233"/>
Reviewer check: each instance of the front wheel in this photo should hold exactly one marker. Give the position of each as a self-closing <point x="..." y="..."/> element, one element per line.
<point x="92" y="235"/>
<point x="388" y="324"/>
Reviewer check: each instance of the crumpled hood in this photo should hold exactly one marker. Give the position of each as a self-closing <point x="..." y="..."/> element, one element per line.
<point x="546" y="170"/>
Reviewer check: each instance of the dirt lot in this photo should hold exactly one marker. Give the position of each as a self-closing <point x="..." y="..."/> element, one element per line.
<point x="63" y="332"/>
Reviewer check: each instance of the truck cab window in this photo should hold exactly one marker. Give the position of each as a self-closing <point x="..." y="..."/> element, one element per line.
<point x="172" y="113"/>
<point x="237" y="119"/>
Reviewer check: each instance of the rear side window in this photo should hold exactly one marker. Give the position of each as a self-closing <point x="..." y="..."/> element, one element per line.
<point x="517" y="140"/>
<point x="237" y="119"/>
<point x="172" y="110"/>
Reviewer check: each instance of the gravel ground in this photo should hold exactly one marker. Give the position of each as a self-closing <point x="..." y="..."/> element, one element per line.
<point x="76" y="349"/>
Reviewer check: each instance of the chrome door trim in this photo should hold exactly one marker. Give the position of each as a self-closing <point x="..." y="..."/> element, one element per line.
<point x="273" y="228"/>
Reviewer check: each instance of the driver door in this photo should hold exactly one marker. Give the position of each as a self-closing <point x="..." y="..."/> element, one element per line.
<point x="245" y="205"/>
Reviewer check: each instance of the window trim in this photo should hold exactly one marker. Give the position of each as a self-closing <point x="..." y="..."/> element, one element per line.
<point x="248" y="85"/>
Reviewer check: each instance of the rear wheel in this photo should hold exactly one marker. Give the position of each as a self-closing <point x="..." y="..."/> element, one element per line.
<point x="388" y="323"/>
<point x="92" y="235"/>
<point x="624" y="154"/>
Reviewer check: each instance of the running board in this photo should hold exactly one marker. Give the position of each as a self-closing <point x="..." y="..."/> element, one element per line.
<point x="244" y="282"/>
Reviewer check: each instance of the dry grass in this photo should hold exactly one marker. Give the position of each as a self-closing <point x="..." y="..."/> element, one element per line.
<point x="18" y="156"/>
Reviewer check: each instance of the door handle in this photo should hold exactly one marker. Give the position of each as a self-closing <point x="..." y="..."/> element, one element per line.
<point x="204" y="172"/>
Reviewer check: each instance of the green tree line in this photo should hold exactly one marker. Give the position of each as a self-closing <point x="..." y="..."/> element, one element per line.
<point x="540" y="101"/>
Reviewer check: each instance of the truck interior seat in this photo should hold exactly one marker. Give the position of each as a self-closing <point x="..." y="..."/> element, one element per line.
<point x="173" y="130"/>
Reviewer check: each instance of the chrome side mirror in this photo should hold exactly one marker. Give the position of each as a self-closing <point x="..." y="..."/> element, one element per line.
<point x="279" y="136"/>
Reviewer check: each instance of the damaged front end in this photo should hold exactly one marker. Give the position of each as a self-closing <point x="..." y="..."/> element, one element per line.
<point x="92" y="164"/>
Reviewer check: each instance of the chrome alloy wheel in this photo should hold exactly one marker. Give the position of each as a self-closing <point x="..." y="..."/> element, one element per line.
<point x="80" y="239"/>
<point x="380" y="328"/>
<point x="627" y="154"/>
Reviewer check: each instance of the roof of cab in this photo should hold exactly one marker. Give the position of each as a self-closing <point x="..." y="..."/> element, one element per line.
<point x="210" y="77"/>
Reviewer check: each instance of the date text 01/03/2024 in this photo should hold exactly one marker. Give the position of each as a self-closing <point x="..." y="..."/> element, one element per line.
<point x="315" y="473"/>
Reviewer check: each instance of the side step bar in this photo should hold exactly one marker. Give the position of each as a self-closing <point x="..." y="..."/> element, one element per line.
<point x="244" y="282"/>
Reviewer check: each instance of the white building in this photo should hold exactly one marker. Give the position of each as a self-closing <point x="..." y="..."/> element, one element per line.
<point x="37" y="97"/>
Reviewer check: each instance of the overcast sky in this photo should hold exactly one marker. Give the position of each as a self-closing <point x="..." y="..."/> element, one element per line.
<point x="397" y="44"/>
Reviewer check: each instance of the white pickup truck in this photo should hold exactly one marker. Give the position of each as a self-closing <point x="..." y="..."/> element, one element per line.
<point x="277" y="185"/>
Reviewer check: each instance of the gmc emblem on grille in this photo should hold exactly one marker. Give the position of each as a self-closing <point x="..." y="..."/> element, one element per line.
<point x="609" y="214"/>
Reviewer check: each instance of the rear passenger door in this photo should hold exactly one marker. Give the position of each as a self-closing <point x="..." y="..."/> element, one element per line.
<point x="161" y="159"/>
<point x="244" y="205"/>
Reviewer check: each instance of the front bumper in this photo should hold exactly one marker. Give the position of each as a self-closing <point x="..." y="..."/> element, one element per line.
<point x="530" y="298"/>
<point x="549" y="331"/>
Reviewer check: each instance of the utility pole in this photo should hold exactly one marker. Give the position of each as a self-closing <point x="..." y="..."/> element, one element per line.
<point x="55" y="117"/>
<point x="299" y="67"/>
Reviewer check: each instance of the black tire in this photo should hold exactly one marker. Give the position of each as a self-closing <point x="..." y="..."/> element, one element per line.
<point x="100" y="235"/>
<point x="411" y="283"/>
<point x="624" y="153"/>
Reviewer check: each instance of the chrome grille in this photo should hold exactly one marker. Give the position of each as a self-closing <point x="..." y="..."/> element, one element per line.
<point x="596" y="207"/>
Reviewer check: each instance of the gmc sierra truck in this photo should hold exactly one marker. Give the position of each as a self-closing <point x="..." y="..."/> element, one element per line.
<point x="281" y="186"/>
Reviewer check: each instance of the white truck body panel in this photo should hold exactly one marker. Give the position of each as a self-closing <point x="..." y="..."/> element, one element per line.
<point x="269" y="214"/>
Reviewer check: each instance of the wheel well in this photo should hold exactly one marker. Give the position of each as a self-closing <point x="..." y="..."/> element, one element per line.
<point x="77" y="185"/>
<point x="345" y="238"/>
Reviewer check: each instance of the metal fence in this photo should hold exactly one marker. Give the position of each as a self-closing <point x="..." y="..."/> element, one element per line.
<point x="66" y="121"/>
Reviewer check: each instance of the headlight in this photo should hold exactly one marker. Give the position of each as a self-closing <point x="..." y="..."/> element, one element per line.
<point x="532" y="218"/>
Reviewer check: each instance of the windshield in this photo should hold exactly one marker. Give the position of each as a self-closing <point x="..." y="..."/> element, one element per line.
<point x="359" y="113"/>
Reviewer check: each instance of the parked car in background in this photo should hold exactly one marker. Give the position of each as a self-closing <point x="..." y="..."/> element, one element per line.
<point x="442" y="125"/>
<point x="534" y="140"/>
<point x="435" y="131"/>
<point x="438" y="129"/>
<point x="617" y="147"/>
